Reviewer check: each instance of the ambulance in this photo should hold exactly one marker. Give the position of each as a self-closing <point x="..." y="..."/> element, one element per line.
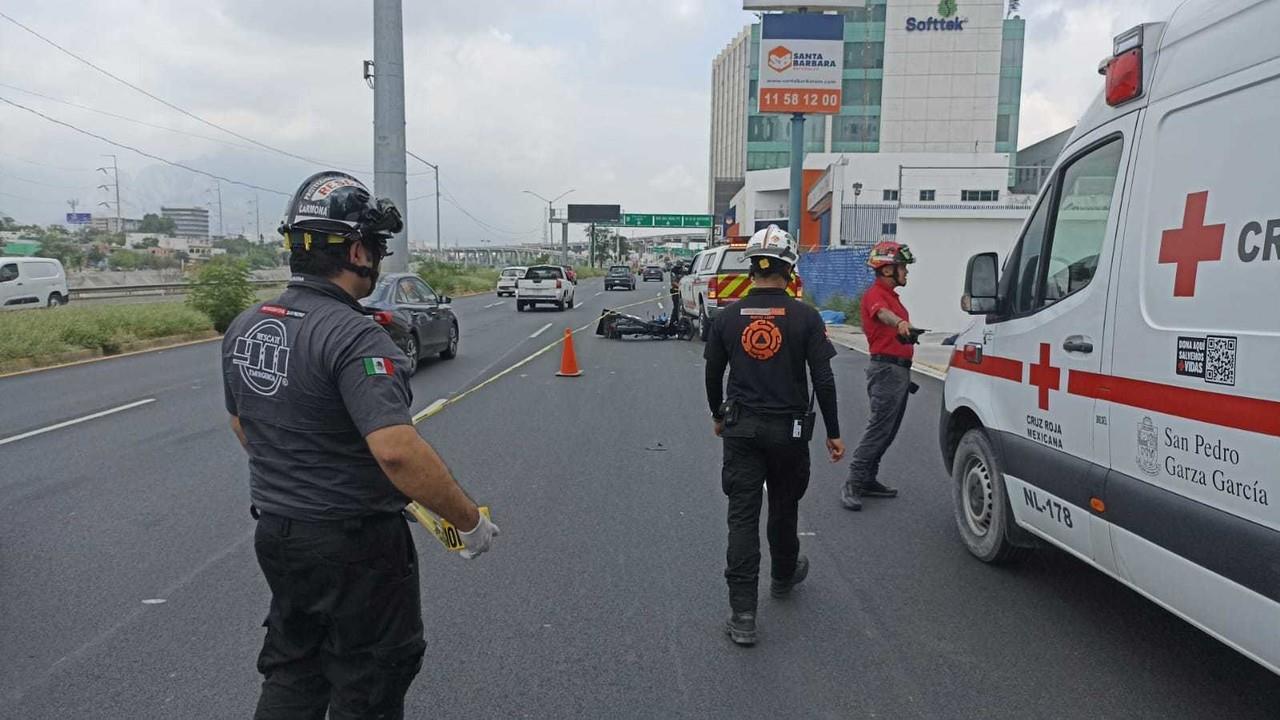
<point x="1118" y="395"/>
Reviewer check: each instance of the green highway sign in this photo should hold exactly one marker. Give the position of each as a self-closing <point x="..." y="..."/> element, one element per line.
<point x="667" y="221"/>
<point x="634" y="220"/>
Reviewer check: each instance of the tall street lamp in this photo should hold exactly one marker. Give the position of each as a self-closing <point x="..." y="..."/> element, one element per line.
<point x="547" y="238"/>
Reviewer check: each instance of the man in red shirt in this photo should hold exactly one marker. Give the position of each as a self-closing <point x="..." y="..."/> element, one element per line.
<point x="890" y="336"/>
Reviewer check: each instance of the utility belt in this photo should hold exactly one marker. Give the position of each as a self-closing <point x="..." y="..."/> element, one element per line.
<point x="289" y="526"/>
<point x="892" y="360"/>
<point x="799" y="424"/>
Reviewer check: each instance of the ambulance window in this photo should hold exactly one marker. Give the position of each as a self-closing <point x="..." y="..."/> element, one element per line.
<point x="1080" y="223"/>
<point x="1025" y="260"/>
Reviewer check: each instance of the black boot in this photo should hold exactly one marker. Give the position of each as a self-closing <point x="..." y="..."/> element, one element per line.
<point x="876" y="489"/>
<point x="741" y="628"/>
<point x="782" y="588"/>
<point x="851" y="496"/>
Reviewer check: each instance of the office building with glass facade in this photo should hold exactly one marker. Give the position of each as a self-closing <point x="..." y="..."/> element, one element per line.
<point x="910" y="86"/>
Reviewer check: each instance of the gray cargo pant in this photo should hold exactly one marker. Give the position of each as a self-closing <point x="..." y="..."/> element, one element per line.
<point x="887" y="389"/>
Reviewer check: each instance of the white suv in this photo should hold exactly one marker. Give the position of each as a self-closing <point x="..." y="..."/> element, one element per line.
<point x="544" y="284"/>
<point x="507" y="279"/>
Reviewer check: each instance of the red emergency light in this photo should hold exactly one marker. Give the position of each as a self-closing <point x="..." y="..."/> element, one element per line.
<point x="1123" y="69"/>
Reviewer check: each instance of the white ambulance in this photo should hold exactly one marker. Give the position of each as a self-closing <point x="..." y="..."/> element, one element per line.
<point x="1119" y="394"/>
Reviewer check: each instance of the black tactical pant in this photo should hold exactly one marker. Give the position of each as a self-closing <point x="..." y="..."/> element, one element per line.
<point x="887" y="389"/>
<point x="758" y="451"/>
<point x="344" y="632"/>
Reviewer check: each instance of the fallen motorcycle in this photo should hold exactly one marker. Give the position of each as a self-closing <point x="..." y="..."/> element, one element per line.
<point x="615" y="326"/>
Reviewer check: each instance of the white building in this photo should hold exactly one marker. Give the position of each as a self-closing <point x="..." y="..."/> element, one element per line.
<point x="190" y="222"/>
<point x="948" y="86"/>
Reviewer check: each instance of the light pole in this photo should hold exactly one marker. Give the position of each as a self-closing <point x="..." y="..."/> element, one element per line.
<point x="857" y="190"/>
<point x="546" y="237"/>
<point x="436" y="169"/>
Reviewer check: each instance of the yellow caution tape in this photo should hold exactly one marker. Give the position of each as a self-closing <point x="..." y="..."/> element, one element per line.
<point x="444" y="531"/>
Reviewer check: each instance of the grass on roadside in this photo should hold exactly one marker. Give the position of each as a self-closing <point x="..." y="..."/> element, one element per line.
<point x="39" y="336"/>
<point x="455" y="279"/>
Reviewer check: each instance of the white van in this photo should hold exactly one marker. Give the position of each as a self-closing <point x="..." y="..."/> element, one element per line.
<point x="27" y="282"/>
<point x="1118" y="396"/>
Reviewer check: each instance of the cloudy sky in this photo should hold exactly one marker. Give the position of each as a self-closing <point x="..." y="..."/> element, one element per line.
<point x="610" y="97"/>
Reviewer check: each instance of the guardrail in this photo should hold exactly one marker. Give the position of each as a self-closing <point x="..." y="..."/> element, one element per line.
<point x="112" y="291"/>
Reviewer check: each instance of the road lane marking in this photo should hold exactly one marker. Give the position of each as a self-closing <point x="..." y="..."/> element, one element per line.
<point x="598" y="294"/>
<point x="518" y="364"/>
<point x="69" y="423"/>
<point x="541" y="330"/>
<point x="492" y="305"/>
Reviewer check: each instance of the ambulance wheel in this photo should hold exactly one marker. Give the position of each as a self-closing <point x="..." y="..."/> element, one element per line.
<point x="982" y="510"/>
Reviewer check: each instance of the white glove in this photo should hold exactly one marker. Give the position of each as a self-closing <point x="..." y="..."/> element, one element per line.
<point x="478" y="539"/>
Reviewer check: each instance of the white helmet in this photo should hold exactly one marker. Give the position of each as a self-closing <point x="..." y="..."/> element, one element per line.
<point x="773" y="242"/>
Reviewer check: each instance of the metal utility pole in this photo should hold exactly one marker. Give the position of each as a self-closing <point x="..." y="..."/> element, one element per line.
<point x="797" y="175"/>
<point x="436" y="169"/>
<point x="115" y="176"/>
<point x="222" y="230"/>
<point x="257" y="217"/>
<point x="389" y="179"/>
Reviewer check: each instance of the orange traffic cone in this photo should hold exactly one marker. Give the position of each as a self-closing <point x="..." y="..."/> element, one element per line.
<point x="568" y="359"/>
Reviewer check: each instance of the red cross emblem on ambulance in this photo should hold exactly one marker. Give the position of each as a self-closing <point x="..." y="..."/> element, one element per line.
<point x="1193" y="243"/>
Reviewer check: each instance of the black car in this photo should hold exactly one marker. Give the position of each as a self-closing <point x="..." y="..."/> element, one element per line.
<point x="652" y="272"/>
<point x="420" y="322"/>
<point x="620" y="277"/>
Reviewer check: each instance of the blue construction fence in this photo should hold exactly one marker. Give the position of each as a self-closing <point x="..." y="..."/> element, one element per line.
<point x="835" y="271"/>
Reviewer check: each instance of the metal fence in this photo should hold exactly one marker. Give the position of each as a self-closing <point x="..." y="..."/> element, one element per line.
<point x="156" y="289"/>
<point x="866" y="224"/>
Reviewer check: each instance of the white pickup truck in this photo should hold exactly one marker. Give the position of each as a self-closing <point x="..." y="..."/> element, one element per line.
<point x="544" y="284"/>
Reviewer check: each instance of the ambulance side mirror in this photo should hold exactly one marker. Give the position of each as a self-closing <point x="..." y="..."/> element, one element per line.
<point x="981" y="284"/>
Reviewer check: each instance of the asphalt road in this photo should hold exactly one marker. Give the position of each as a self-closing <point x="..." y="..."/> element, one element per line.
<point x="604" y="596"/>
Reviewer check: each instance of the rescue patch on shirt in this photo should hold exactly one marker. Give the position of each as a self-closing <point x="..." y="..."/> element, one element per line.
<point x="761" y="340"/>
<point x="277" y="311"/>
<point x="763" y="312"/>
<point x="262" y="354"/>
<point x="378" y="366"/>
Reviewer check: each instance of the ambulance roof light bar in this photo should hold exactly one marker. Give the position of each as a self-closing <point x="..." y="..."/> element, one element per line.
<point x="1123" y="69"/>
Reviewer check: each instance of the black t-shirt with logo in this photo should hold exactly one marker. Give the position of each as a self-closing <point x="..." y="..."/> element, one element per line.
<point x="766" y="339"/>
<point x="310" y="374"/>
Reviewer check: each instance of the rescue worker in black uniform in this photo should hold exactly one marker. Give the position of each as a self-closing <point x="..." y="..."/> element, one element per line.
<point x="319" y="398"/>
<point x="766" y="340"/>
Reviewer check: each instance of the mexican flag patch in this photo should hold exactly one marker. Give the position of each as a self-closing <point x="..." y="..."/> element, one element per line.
<point x="378" y="366"/>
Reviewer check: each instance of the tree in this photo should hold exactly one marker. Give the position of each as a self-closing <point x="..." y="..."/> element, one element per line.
<point x="62" y="249"/>
<point x="148" y="243"/>
<point x="126" y="260"/>
<point x="221" y="291"/>
<point x="7" y="223"/>
<point x="152" y="223"/>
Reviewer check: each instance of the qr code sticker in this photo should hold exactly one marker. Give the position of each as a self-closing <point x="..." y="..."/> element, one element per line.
<point x="1220" y="360"/>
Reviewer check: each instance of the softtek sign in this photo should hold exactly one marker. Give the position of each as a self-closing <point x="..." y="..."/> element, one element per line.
<point x="948" y="21"/>
<point x="933" y="23"/>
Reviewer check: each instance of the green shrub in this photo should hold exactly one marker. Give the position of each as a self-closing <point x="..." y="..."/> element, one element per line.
<point x="221" y="291"/>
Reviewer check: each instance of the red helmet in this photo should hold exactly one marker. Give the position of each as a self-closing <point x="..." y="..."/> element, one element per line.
<point x="890" y="253"/>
